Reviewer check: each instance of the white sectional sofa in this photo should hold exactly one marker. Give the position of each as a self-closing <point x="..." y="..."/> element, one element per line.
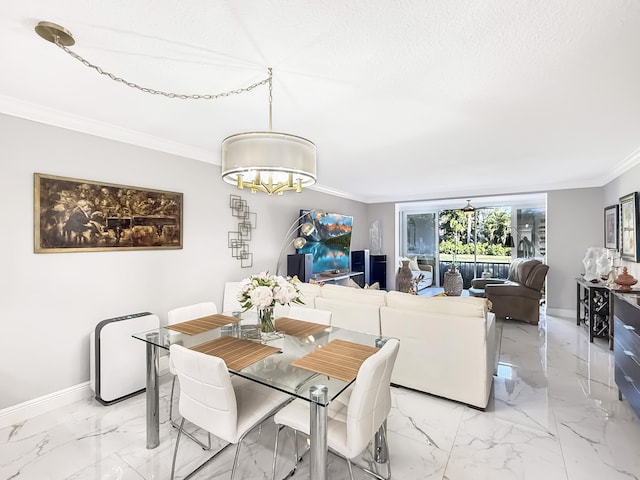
<point x="447" y="344"/>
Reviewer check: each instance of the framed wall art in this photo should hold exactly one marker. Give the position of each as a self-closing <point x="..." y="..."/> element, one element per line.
<point x="611" y="227"/>
<point x="629" y="247"/>
<point x="73" y="215"/>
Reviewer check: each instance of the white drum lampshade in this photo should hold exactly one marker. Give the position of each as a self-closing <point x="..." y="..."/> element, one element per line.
<point x="269" y="162"/>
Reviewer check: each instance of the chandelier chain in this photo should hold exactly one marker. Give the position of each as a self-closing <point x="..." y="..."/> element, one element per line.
<point x="152" y="91"/>
<point x="270" y="80"/>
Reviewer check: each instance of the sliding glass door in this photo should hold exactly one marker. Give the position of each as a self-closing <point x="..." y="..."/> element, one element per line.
<point x="438" y="233"/>
<point x="419" y="238"/>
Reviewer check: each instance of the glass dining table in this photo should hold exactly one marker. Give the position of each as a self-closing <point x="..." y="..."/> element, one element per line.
<point x="277" y="370"/>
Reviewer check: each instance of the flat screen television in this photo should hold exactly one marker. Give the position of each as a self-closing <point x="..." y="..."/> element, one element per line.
<point x="329" y="243"/>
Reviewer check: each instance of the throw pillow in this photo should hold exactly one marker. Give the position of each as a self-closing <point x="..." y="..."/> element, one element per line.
<point x="413" y="264"/>
<point x="373" y="286"/>
<point x="351" y="283"/>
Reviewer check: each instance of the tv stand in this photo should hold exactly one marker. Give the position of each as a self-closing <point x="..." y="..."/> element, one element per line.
<point x="341" y="278"/>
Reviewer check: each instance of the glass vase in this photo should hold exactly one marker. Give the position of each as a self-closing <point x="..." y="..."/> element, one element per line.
<point x="266" y="320"/>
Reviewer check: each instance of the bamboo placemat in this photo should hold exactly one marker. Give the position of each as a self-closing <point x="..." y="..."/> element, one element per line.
<point x="237" y="353"/>
<point x="298" y="328"/>
<point x="337" y="359"/>
<point x="203" y="324"/>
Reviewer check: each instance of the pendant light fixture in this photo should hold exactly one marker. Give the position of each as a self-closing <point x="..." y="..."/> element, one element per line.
<point x="270" y="162"/>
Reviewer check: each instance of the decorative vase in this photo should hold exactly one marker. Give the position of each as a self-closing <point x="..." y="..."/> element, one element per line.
<point x="625" y="280"/>
<point x="404" y="277"/>
<point x="266" y="320"/>
<point x="452" y="283"/>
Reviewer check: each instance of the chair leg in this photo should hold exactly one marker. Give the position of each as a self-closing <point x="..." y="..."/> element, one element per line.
<point x="173" y="387"/>
<point x="235" y="460"/>
<point x="350" y="469"/>
<point x="385" y="448"/>
<point x="296" y="457"/>
<point x="175" y="425"/>
<point x="275" y="452"/>
<point x="175" y="451"/>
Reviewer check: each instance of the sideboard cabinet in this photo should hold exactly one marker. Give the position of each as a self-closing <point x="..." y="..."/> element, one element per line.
<point x="626" y="349"/>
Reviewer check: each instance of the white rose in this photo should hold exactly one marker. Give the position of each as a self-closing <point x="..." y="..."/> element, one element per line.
<point x="261" y="297"/>
<point x="286" y="293"/>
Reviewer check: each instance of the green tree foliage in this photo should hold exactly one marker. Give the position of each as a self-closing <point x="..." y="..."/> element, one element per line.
<point x="452" y="222"/>
<point x="492" y="224"/>
<point x="495" y="225"/>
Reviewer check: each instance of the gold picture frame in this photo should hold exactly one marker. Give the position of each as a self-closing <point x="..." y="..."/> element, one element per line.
<point x="75" y="215"/>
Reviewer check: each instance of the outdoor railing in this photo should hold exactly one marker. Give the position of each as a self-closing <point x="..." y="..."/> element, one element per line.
<point x="471" y="270"/>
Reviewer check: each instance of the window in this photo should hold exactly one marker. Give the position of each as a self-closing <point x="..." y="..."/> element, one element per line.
<point x="438" y="233"/>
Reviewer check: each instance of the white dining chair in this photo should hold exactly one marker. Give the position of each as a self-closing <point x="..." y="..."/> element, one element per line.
<point x="230" y="301"/>
<point x="309" y="314"/>
<point x="226" y="406"/>
<point x="183" y="314"/>
<point x="356" y="420"/>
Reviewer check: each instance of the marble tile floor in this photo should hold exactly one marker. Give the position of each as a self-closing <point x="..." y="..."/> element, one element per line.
<point x="553" y="414"/>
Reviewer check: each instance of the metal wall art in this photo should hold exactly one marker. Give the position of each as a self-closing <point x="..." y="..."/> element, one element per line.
<point x="239" y="240"/>
<point x="72" y="215"/>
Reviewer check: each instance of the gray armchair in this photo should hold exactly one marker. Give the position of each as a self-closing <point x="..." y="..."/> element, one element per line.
<point x="519" y="296"/>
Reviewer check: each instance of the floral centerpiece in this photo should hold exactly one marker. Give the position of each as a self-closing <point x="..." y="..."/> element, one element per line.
<point x="263" y="291"/>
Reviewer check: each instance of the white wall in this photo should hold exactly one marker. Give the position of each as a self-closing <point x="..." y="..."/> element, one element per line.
<point x="51" y="302"/>
<point x="574" y="223"/>
<point x="385" y="214"/>
<point x="619" y="187"/>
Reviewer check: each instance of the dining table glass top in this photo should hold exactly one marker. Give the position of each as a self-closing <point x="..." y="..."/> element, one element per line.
<point x="276" y="369"/>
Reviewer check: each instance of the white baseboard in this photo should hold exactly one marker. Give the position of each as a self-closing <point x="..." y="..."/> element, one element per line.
<point x="37" y="406"/>
<point x="31" y="408"/>
<point x="561" y="312"/>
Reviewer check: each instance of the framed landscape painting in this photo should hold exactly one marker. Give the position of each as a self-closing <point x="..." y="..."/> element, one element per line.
<point x="629" y="247"/>
<point x="73" y="215"/>
<point x="611" y="227"/>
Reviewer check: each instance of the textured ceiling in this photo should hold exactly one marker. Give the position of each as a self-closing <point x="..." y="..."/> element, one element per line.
<point x="405" y="100"/>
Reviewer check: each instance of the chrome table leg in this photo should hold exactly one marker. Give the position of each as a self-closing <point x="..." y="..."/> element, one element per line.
<point x="318" y="431"/>
<point x="381" y="451"/>
<point x="153" y="396"/>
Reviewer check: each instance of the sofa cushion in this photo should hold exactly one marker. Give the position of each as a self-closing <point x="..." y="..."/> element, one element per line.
<point x="460" y="306"/>
<point x="308" y="293"/>
<point x="358" y="295"/>
<point x="413" y="262"/>
<point x="352" y="314"/>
